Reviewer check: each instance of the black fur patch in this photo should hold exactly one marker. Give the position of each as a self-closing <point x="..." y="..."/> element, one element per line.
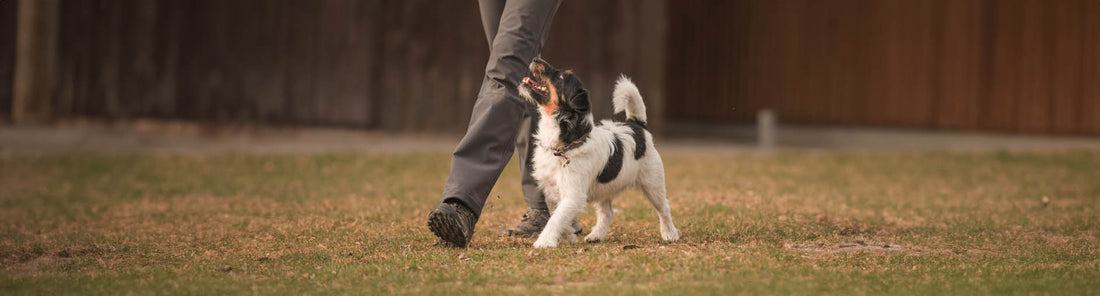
<point x="572" y="112"/>
<point x="569" y="134"/>
<point x="614" y="164"/>
<point x="638" y="128"/>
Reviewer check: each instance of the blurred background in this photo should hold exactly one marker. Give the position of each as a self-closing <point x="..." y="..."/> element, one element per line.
<point x="1004" y="66"/>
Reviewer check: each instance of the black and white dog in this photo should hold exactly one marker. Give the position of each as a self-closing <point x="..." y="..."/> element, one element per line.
<point x="577" y="162"/>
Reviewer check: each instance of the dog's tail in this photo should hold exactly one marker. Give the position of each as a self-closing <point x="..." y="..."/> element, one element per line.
<point x="627" y="98"/>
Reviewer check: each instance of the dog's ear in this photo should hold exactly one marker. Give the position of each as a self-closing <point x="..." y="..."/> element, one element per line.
<point x="579" y="101"/>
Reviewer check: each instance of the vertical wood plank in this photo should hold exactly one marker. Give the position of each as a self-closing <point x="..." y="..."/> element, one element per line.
<point x="813" y="91"/>
<point x="1065" y="68"/>
<point x="7" y="56"/>
<point x="375" y="54"/>
<point x="35" y="61"/>
<point x="959" y="64"/>
<point x="910" y="64"/>
<point x="862" y="50"/>
<point x="874" y="62"/>
<point x="1033" y="77"/>
<point x="652" y="46"/>
<point x="1090" y="100"/>
<point x="396" y="39"/>
<point x="1004" y="50"/>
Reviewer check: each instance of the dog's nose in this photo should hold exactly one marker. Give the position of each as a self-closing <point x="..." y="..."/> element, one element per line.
<point x="539" y="62"/>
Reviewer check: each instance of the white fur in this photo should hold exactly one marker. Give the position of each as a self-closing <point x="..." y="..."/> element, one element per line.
<point x="570" y="187"/>
<point x="627" y="98"/>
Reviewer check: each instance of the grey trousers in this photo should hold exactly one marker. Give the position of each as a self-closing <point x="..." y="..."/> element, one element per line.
<point x="502" y="121"/>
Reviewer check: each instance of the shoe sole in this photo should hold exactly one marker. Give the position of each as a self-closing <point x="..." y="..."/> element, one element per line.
<point x="443" y="221"/>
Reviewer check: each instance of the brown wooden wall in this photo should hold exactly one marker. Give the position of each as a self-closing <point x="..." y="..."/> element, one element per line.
<point x="7" y="56"/>
<point x="282" y="61"/>
<point x="404" y="65"/>
<point x="1028" y="66"/>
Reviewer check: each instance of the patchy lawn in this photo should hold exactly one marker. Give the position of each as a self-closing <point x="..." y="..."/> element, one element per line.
<point x="792" y="223"/>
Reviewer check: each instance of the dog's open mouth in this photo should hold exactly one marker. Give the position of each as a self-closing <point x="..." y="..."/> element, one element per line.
<point x="531" y="83"/>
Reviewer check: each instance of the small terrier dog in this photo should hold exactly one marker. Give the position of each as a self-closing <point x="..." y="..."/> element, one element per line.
<point x="577" y="162"/>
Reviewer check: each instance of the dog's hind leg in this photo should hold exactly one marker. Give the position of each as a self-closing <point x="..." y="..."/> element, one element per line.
<point x="604" y="213"/>
<point x="653" y="185"/>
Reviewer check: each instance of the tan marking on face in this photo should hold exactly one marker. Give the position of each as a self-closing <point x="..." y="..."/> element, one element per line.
<point x="552" y="102"/>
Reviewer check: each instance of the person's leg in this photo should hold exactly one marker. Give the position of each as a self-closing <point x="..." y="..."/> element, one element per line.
<point x="525" y="145"/>
<point x="491" y="10"/>
<point x="535" y="218"/>
<point x="490" y="138"/>
<point x="489" y="142"/>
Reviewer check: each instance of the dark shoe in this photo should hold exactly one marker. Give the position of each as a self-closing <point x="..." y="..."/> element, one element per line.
<point x="453" y="223"/>
<point x="532" y="224"/>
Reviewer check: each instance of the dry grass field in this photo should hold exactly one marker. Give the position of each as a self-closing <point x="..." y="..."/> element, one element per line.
<point x="794" y="222"/>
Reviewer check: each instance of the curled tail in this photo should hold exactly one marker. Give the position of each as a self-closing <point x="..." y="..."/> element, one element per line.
<point x="627" y="98"/>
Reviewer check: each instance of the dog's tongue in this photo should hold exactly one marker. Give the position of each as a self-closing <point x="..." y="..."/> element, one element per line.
<point x="534" y="85"/>
<point x="531" y="82"/>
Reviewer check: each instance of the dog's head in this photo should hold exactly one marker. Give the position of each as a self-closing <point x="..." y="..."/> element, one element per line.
<point x="560" y="96"/>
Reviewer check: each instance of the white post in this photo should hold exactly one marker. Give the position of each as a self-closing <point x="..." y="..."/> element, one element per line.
<point x="765" y="128"/>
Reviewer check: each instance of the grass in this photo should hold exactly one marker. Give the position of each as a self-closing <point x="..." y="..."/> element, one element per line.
<point x="790" y="223"/>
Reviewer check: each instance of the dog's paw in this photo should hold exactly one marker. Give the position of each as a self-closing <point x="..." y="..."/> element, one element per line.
<point x="542" y="244"/>
<point x="571" y="238"/>
<point x="670" y="235"/>
<point x="593" y="237"/>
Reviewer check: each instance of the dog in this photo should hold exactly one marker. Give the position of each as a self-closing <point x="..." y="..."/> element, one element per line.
<point x="578" y="162"/>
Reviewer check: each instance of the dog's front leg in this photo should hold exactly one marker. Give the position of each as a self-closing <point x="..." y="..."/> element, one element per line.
<point x="572" y="203"/>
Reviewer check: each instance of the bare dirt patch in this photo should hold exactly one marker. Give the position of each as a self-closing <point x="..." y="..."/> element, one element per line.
<point x="849" y="247"/>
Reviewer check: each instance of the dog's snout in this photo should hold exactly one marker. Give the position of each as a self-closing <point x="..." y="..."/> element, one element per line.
<point x="537" y="66"/>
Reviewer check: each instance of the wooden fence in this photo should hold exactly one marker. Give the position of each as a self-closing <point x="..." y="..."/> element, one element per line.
<point x="403" y="65"/>
<point x="355" y="63"/>
<point x="1028" y="66"/>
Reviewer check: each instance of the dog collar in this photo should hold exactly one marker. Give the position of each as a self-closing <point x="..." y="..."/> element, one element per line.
<point x="560" y="150"/>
